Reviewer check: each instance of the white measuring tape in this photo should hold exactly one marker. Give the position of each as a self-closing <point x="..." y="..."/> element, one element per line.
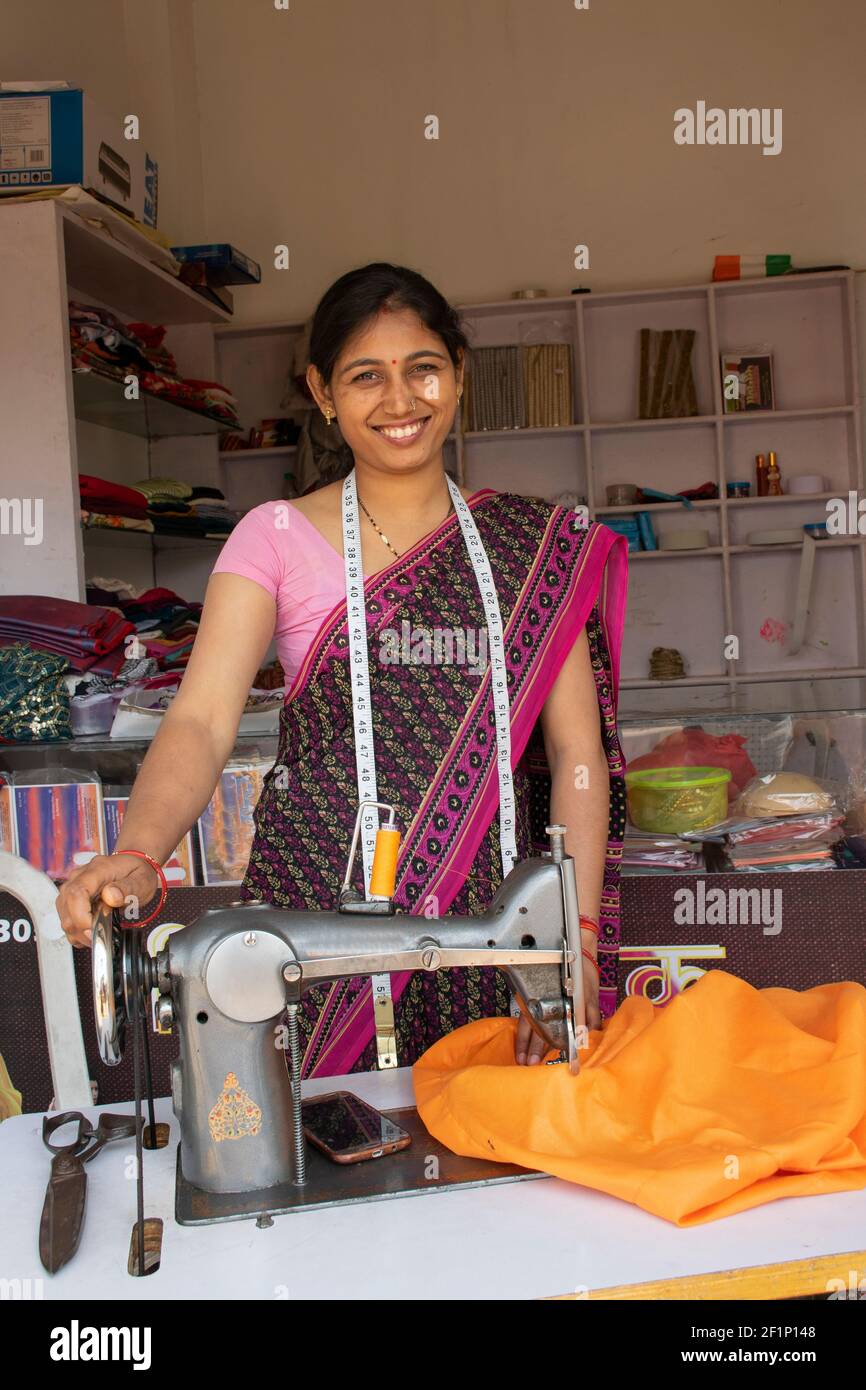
<point x="498" y="675"/>
<point x="362" y="713"/>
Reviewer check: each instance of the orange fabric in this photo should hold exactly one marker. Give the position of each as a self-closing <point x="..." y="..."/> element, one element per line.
<point x="726" y="1098"/>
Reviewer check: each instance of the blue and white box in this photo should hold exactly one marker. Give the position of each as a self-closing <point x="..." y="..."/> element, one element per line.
<point x="52" y="138"/>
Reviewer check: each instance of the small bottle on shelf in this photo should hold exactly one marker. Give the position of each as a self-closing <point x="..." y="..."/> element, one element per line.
<point x="774" y="477"/>
<point x="760" y="475"/>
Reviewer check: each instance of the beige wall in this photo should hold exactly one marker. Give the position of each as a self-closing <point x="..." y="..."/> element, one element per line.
<point x="556" y="128"/>
<point x="130" y="56"/>
<point x="306" y="127"/>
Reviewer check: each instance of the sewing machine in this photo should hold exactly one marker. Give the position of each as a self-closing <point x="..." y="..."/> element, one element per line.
<point x="228" y="982"/>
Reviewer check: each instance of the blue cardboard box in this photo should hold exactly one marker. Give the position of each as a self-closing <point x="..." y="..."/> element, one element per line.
<point x="51" y="138"/>
<point x="225" y="264"/>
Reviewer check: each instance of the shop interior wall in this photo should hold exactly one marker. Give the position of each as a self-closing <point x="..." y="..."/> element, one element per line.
<point x="305" y="126"/>
<point x="131" y="58"/>
<point x="556" y="129"/>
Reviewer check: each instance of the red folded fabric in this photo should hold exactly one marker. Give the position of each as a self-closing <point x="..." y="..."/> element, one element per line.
<point x="101" y="491"/>
<point x="157" y="601"/>
<point x="59" y="625"/>
<point x="158" y="596"/>
<point x="151" y="334"/>
<point x="107" y="664"/>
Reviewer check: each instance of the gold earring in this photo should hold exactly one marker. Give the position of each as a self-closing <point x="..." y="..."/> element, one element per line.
<point x="327" y="414"/>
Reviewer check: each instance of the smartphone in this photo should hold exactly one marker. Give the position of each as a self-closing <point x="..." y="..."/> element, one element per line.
<point x="349" y="1130"/>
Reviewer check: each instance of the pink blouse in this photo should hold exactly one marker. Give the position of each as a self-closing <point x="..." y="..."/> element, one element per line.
<point x="278" y="547"/>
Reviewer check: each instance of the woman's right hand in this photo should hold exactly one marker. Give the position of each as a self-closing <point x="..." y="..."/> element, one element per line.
<point x="110" y="878"/>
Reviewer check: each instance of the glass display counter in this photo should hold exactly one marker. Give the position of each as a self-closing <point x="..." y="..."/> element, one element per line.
<point x="796" y="766"/>
<point x="793" y="930"/>
<point x="752" y="733"/>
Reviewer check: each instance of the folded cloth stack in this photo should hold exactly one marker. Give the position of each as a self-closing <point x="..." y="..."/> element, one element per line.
<point x="211" y="508"/>
<point x="786" y="842"/>
<point x="109" y="505"/>
<point x="211" y="397"/>
<point x="175" y="508"/>
<point x="135" y="671"/>
<point x="813" y="841"/>
<point x="34" y="701"/>
<point x="646" y="853"/>
<point x="110" y="521"/>
<point x="89" y="636"/>
<point x="101" y="495"/>
<point x="158" y="355"/>
<point x="167" y="499"/>
<point x="111" y="590"/>
<point x="165" y="624"/>
<point x="102" y="343"/>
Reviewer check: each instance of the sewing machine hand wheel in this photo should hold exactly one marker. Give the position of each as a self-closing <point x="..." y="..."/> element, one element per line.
<point x="111" y="975"/>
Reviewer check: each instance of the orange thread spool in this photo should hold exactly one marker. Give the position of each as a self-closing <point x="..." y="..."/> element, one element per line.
<point x="383" y="876"/>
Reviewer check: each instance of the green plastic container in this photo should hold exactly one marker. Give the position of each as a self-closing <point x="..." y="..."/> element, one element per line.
<point x="669" y="800"/>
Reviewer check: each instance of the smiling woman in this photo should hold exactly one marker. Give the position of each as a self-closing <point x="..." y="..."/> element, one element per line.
<point x="398" y="374"/>
<point x="386" y="361"/>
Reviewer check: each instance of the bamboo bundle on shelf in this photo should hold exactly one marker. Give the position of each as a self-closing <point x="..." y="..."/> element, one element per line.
<point x="666" y="382"/>
<point x="495" y="401"/>
<point x="517" y="387"/>
<point x="547" y="376"/>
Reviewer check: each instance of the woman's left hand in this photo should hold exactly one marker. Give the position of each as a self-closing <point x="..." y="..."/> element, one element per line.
<point x="530" y="1047"/>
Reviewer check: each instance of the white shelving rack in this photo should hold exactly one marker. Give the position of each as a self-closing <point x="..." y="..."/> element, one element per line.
<point x="56" y="421"/>
<point x="807" y="322"/>
<point x="692" y="600"/>
<point x="255" y="361"/>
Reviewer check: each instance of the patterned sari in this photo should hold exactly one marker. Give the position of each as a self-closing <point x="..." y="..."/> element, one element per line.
<point x="435" y="741"/>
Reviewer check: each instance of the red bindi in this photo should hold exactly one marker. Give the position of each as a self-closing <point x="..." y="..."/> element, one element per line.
<point x="393" y="361"/>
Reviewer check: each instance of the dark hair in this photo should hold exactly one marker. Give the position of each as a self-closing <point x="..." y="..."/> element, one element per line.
<point x="359" y="295"/>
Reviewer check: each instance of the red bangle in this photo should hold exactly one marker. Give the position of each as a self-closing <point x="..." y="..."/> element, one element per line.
<point x="588" y="924"/>
<point x="591" y="959"/>
<point x="140" y="854"/>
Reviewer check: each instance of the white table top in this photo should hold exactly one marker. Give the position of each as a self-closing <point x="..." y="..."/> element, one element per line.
<point x="516" y="1240"/>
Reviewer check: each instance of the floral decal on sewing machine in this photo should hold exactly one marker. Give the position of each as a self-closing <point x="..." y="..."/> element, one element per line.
<point x="235" y="1115"/>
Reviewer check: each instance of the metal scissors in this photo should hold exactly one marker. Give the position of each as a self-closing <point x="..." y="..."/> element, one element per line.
<point x="66" y="1194"/>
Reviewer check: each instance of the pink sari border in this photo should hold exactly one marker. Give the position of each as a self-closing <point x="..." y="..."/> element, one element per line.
<point x="549" y="663"/>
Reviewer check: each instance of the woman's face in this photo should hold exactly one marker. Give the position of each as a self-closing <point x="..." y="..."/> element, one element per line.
<point x="391" y="365"/>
